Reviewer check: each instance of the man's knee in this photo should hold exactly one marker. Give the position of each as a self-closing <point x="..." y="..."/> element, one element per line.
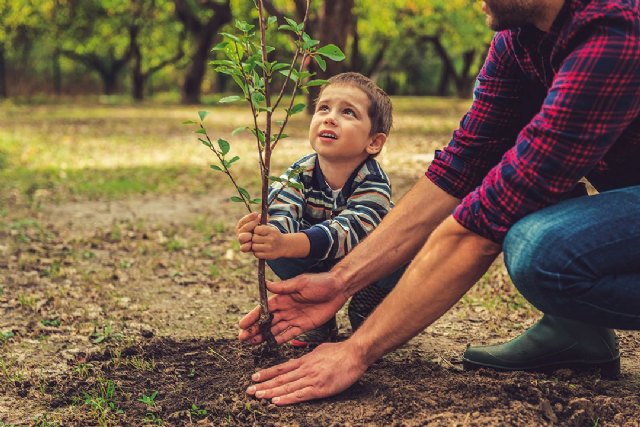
<point x="530" y="260"/>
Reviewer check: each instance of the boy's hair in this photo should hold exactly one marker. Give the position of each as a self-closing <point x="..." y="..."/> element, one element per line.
<point x="380" y="109"/>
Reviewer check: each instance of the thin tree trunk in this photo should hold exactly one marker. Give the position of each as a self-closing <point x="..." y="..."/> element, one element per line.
<point x="3" y="73"/>
<point x="204" y="33"/>
<point x="56" y="73"/>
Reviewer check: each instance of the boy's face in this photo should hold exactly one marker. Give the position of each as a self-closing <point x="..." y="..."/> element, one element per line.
<point x="340" y="126"/>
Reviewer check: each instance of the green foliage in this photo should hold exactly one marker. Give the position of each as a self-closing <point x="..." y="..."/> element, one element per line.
<point x="102" y="401"/>
<point x="247" y="62"/>
<point x="148" y="400"/>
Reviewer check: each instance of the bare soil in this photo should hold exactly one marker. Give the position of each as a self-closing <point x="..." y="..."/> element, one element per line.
<point x="104" y="303"/>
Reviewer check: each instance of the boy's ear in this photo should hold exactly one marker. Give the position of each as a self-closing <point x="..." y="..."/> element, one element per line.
<point x="376" y="143"/>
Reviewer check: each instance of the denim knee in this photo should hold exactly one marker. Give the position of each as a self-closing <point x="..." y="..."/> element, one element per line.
<point x="532" y="262"/>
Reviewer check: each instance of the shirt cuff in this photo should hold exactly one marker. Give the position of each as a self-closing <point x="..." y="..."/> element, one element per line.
<point x="319" y="242"/>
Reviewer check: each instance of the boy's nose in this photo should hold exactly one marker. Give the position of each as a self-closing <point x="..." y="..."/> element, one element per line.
<point x="330" y="119"/>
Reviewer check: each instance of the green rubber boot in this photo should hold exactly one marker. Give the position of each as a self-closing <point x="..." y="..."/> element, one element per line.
<point x="552" y="343"/>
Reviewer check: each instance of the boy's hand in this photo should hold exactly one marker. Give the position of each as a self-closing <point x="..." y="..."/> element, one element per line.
<point x="245" y="229"/>
<point x="268" y="242"/>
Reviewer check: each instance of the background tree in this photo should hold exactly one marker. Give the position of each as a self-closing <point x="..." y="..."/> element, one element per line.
<point x="329" y="21"/>
<point x="203" y="20"/>
<point x="156" y="40"/>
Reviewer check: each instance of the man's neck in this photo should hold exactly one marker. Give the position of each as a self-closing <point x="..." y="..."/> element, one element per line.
<point x="551" y="11"/>
<point x="337" y="173"/>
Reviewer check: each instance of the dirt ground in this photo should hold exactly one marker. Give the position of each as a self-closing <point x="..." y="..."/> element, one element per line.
<point x="125" y="313"/>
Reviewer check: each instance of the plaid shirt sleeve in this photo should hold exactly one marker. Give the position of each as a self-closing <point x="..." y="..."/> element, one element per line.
<point x="594" y="96"/>
<point x="490" y="127"/>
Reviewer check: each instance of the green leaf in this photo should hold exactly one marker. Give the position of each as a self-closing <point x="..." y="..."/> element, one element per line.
<point x="231" y="37"/>
<point x="189" y="122"/>
<point x="232" y="161"/>
<point x="308" y="42"/>
<point x="297" y="108"/>
<point x="296" y="185"/>
<point x="238" y="130"/>
<point x="220" y="46"/>
<point x="271" y="20"/>
<point x="244" y="26"/>
<point x="280" y="66"/>
<point x="275" y="179"/>
<point x="205" y="142"/>
<point x="257" y="98"/>
<point x="224" y="62"/>
<point x="294" y="74"/>
<point x="256" y="201"/>
<point x="232" y="98"/>
<point x="224" y="146"/>
<point x="286" y="28"/>
<point x="202" y="131"/>
<point x="291" y="22"/>
<point x="216" y="168"/>
<point x="202" y="115"/>
<point x="321" y="62"/>
<point x="332" y="52"/>
<point x="236" y="199"/>
<point x="244" y="193"/>
<point x="317" y="82"/>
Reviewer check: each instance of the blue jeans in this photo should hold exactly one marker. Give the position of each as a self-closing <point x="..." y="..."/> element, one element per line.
<point x="580" y="259"/>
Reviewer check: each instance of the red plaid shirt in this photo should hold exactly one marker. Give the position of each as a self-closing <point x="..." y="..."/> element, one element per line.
<point x="549" y="109"/>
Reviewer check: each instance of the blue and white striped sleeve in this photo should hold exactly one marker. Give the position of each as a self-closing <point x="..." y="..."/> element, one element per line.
<point x="368" y="204"/>
<point x="286" y="205"/>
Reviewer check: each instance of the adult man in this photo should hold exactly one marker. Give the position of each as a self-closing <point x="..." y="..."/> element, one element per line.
<point x="558" y="99"/>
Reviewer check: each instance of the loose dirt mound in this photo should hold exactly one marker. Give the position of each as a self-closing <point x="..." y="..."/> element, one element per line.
<point x="203" y="381"/>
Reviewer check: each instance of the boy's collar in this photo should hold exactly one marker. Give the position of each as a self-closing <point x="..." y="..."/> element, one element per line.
<point x="320" y="182"/>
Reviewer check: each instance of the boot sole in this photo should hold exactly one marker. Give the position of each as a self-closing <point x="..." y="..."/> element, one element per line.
<point x="609" y="370"/>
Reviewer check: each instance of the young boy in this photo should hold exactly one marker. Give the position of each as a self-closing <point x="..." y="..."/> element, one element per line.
<point x="344" y="197"/>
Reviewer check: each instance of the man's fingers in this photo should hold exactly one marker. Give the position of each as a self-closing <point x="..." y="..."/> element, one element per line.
<point x="307" y="393"/>
<point x="281" y="386"/>
<point x="274" y="371"/>
<point x="285" y="287"/>
<point x="288" y="334"/>
<point x="250" y="318"/>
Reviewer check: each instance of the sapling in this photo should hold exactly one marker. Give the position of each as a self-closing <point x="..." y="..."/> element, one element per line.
<point x="248" y="63"/>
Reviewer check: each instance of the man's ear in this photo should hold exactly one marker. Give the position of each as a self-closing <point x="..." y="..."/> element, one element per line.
<point x="376" y="143"/>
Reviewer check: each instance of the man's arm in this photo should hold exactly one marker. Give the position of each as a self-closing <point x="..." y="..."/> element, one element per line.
<point x="451" y="261"/>
<point x="396" y="241"/>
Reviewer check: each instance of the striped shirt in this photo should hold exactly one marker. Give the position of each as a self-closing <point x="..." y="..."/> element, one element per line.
<point x="333" y="226"/>
<point x="549" y="109"/>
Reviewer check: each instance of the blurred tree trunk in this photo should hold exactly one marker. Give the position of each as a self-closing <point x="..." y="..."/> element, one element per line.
<point x="463" y="81"/>
<point x="139" y="77"/>
<point x="333" y="24"/>
<point x="204" y="32"/>
<point x="108" y="68"/>
<point x="3" y="73"/>
<point x="56" y="72"/>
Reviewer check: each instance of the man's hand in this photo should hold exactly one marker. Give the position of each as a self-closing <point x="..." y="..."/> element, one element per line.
<point x="328" y="370"/>
<point x="300" y="304"/>
<point x="244" y="230"/>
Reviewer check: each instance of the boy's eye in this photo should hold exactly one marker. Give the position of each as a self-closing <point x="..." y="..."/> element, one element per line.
<point x="350" y="112"/>
<point x="323" y="108"/>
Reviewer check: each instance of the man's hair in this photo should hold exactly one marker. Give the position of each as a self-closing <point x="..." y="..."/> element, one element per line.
<point x="380" y="109"/>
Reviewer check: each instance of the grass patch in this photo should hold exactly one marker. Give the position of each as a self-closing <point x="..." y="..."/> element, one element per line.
<point x="109" y="149"/>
